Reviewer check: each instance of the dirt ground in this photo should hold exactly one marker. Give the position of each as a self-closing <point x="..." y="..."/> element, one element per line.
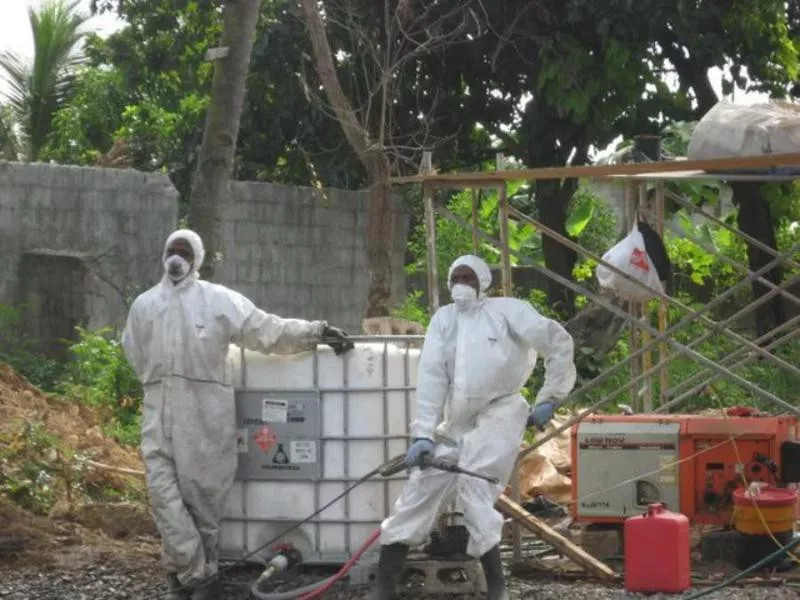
<point x="89" y="550"/>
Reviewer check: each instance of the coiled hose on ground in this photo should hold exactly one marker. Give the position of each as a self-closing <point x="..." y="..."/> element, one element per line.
<point x="731" y="580"/>
<point x="317" y="590"/>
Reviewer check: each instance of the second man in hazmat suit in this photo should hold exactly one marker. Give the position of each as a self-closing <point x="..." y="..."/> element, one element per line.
<point x="177" y="338"/>
<point x="478" y="354"/>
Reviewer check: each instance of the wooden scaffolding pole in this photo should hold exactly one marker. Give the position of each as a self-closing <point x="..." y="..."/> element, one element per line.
<point x="502" y="206"/>
<point x="430" y="235"/>
<point x="647" y="357"/>
<point x="662" y="305"/>
<point x="475" y="237"/>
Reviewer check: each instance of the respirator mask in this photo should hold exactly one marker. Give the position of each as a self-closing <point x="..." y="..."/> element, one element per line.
<point x="464" y="296"/>
<point x="176" y="267"/>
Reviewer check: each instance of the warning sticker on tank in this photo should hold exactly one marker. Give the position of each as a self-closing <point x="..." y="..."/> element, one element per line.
<point x="274" y="411"/>
<point x="242" y="446"/>
<point x="303" y="451"/>
<point x="667" y="479"/>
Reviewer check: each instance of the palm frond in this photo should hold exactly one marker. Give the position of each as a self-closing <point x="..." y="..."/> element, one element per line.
<point x="39" y="88"/>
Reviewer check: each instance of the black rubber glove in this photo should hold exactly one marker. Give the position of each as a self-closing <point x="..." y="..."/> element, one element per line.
<point x="337" y="339"/>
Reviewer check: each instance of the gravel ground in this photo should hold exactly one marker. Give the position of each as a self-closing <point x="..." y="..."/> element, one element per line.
<point x="111" y="579"/>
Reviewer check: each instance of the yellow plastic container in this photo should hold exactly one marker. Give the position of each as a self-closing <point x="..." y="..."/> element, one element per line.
<point x="778" y="508"/>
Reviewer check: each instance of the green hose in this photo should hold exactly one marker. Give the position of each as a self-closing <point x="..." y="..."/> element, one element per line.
<point x="795" y="541"/>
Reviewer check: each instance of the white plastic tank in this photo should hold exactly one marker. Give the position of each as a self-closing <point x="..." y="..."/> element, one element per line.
<point x="310" y="425"/>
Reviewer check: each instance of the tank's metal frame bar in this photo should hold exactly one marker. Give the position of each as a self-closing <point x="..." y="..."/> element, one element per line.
<point x="314" y="527"/>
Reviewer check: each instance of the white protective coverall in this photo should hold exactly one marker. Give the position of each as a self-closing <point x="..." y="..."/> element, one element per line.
<point x="177" y="339"/>
<point x="473" y="365"/>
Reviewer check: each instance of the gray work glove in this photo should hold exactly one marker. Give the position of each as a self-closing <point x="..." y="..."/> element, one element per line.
<point x="337" y="339"/>
<point x="417" y="450"/>
<point x="541" y="414"/>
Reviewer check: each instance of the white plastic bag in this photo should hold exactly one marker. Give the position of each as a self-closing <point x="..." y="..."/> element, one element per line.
<point x="630" y="257"/>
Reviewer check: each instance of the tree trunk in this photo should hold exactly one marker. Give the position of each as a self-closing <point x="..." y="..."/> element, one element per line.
<point x="380" y="228"/>
<point x="215" y="163"/>
<point x="552" y="201"/>
<point x="755" y="220"/>
<point x="374" y="159"/>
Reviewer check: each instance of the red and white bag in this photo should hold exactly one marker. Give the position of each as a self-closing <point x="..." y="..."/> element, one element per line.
<point x="630" y="257"/>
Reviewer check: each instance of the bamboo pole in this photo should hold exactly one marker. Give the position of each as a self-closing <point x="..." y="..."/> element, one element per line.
<point x="430" y="236"/>
<point x="647" y="357"/>
<point x="651" y="169"/>
<point x="662" y="305"/>
<point x="502" y="205"/>
<point x="475" y="238"/>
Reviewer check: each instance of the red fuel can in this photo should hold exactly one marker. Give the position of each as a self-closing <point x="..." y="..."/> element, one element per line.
<point x="657" y="552"/>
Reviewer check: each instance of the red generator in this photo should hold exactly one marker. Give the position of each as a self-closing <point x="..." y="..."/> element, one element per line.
<point x="690" y="463"/>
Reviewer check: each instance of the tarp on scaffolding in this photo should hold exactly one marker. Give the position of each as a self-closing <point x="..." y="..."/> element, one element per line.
<point x="730" y="130"/>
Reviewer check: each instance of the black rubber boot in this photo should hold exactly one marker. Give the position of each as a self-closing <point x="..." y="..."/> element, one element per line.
<point x="493" y="573"/>
<point x="391" y="565"/>
<point x="175" y="591"/>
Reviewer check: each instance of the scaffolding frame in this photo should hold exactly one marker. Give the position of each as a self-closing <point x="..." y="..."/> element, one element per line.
<point x="644" y="337"/>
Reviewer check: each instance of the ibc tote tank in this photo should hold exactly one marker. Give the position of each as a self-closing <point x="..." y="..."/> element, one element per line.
<point x="310" y="425"/>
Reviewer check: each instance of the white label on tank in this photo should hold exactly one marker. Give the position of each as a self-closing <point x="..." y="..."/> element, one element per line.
<point x="242" y="441"/>
<point x="274" y="411"/>
<point x="303" y="451"/>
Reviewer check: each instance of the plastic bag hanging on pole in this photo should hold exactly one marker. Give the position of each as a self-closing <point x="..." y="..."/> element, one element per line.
<point x="630" y="256"/>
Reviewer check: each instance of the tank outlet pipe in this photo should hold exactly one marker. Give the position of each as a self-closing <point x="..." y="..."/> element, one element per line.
<point x="286" y="556"/>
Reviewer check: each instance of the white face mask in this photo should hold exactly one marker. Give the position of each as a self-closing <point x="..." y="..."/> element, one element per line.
<point x="464" y="296"/>
<point x="176" y="267"/>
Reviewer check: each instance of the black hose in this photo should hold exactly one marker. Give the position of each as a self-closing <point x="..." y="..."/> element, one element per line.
<point x="243" y="560"/>
<point x="731" y="580"/>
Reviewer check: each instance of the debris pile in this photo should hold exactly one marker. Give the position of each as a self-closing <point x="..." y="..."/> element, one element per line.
<point x="54" y="488"/>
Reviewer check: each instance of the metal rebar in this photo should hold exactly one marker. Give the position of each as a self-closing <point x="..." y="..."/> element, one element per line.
<point x="661" y="336"/>
<point x="622" y="314"/>
<point x="735" y="354"/>
<point x="697" y="314"/>
<point x="739" y="266"/>
<point x="748" y="238"/>
<point x="696" y="389"/>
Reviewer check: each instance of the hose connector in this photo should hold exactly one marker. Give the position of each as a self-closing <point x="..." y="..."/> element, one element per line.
<point x="286" y="556"/>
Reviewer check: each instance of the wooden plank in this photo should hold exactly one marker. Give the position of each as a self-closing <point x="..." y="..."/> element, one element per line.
<point x="546" y="533"/>
<point x="475" y="179"/>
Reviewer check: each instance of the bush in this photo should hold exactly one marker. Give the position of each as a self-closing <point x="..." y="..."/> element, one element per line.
<point x="99" y="375"/>
<point x="19" y="351"/>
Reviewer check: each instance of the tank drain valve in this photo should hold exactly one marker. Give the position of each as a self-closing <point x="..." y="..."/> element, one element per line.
<point x="286" y="556"/>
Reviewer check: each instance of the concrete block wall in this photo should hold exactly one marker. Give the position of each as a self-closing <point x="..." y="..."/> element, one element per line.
<point x="114" y="221"/>
<point x="298" y="253"/>
<point x="292" y="250"/>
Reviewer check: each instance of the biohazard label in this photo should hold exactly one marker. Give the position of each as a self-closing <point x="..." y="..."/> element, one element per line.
<point x="639" y="260"/>
<point x="265" y="438"/>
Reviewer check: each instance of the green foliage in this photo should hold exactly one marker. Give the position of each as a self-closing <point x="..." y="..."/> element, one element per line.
<point x="39" y="88"/>
<point x="412" y="309"/>
<point x="29" y="468"/>
<point x="99" y="375"/>
<point x="19" y="351"/>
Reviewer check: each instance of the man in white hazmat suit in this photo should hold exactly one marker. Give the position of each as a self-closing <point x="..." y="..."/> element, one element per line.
<point x="177" y="338"/>
<point x="478" y="354"/>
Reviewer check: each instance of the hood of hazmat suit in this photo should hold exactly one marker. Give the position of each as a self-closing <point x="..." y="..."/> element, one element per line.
<point x="475" y="360"/>
<point x="177" y="338"/>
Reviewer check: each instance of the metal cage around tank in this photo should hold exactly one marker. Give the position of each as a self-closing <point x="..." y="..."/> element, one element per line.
<point x="339" y="418"/>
